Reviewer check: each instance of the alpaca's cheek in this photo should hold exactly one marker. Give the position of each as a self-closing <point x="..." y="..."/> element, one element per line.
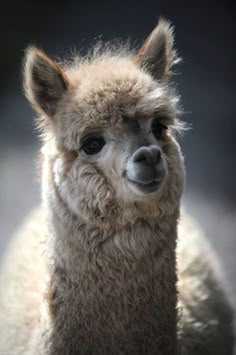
<point x="83" y="190"/>
<point x="175" y="164"/>
<point x="174" y="186"/>
<point x="66" y="183"/>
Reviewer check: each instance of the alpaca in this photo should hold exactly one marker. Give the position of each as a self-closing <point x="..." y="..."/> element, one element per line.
<point x="93" y="271"/>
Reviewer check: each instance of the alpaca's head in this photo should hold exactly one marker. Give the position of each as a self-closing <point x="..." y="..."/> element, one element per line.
<point x="109" y="121"/>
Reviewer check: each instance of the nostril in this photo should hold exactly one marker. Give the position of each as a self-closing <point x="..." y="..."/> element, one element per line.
<point x="150" y="155"/>
<point x="140" y="155"/>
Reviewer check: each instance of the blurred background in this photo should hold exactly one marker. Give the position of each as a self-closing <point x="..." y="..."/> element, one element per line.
<point x="204" y="38"/>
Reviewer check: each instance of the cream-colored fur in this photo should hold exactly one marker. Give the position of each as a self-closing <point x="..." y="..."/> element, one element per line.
<point x="93" y="271"/>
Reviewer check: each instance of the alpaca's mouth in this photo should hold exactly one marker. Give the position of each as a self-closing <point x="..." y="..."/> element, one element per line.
<point x="147" y="187"/>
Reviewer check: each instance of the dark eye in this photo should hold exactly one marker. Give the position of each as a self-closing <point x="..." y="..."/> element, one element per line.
<point x="158" y="129"/>
<point x="93" y="145"/>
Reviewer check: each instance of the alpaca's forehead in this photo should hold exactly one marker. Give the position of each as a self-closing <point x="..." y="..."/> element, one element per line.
<point x="115" y="87"/>
<point x="109" y="104"/>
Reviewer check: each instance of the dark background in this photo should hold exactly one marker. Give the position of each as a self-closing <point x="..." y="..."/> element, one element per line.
<point x="204" y="38"/>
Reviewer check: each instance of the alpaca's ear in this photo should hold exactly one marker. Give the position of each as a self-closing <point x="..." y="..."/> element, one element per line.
<point x="45" y="81"/>
<point x="157" y="54"/>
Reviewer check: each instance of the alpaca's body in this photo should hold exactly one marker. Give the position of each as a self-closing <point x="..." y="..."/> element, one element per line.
<point x="206" y="326"/>
<point x="95" y="273"/>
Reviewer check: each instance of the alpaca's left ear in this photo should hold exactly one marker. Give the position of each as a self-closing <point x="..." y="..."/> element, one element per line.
<point x="45" y="82"/>
<point x="157" y="54"/>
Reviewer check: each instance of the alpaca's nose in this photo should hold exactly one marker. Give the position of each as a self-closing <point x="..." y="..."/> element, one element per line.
<point x="150" y="155"/>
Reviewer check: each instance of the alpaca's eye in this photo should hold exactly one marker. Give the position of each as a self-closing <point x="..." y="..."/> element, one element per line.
<point x="158" y="129"/>
<point x="93" y="145"/>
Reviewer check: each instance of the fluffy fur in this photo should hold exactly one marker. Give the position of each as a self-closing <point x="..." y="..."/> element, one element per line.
<point x="94" y="270"/>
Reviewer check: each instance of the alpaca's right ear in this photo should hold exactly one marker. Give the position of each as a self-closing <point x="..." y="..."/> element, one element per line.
<point x="157" y="54"/>
<point x="45" y="82"/>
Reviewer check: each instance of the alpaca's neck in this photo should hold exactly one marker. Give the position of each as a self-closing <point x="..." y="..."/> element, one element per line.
<point x="118" y="286"/>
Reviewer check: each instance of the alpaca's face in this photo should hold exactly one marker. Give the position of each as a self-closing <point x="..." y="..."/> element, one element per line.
<point x="112" y="145"/>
